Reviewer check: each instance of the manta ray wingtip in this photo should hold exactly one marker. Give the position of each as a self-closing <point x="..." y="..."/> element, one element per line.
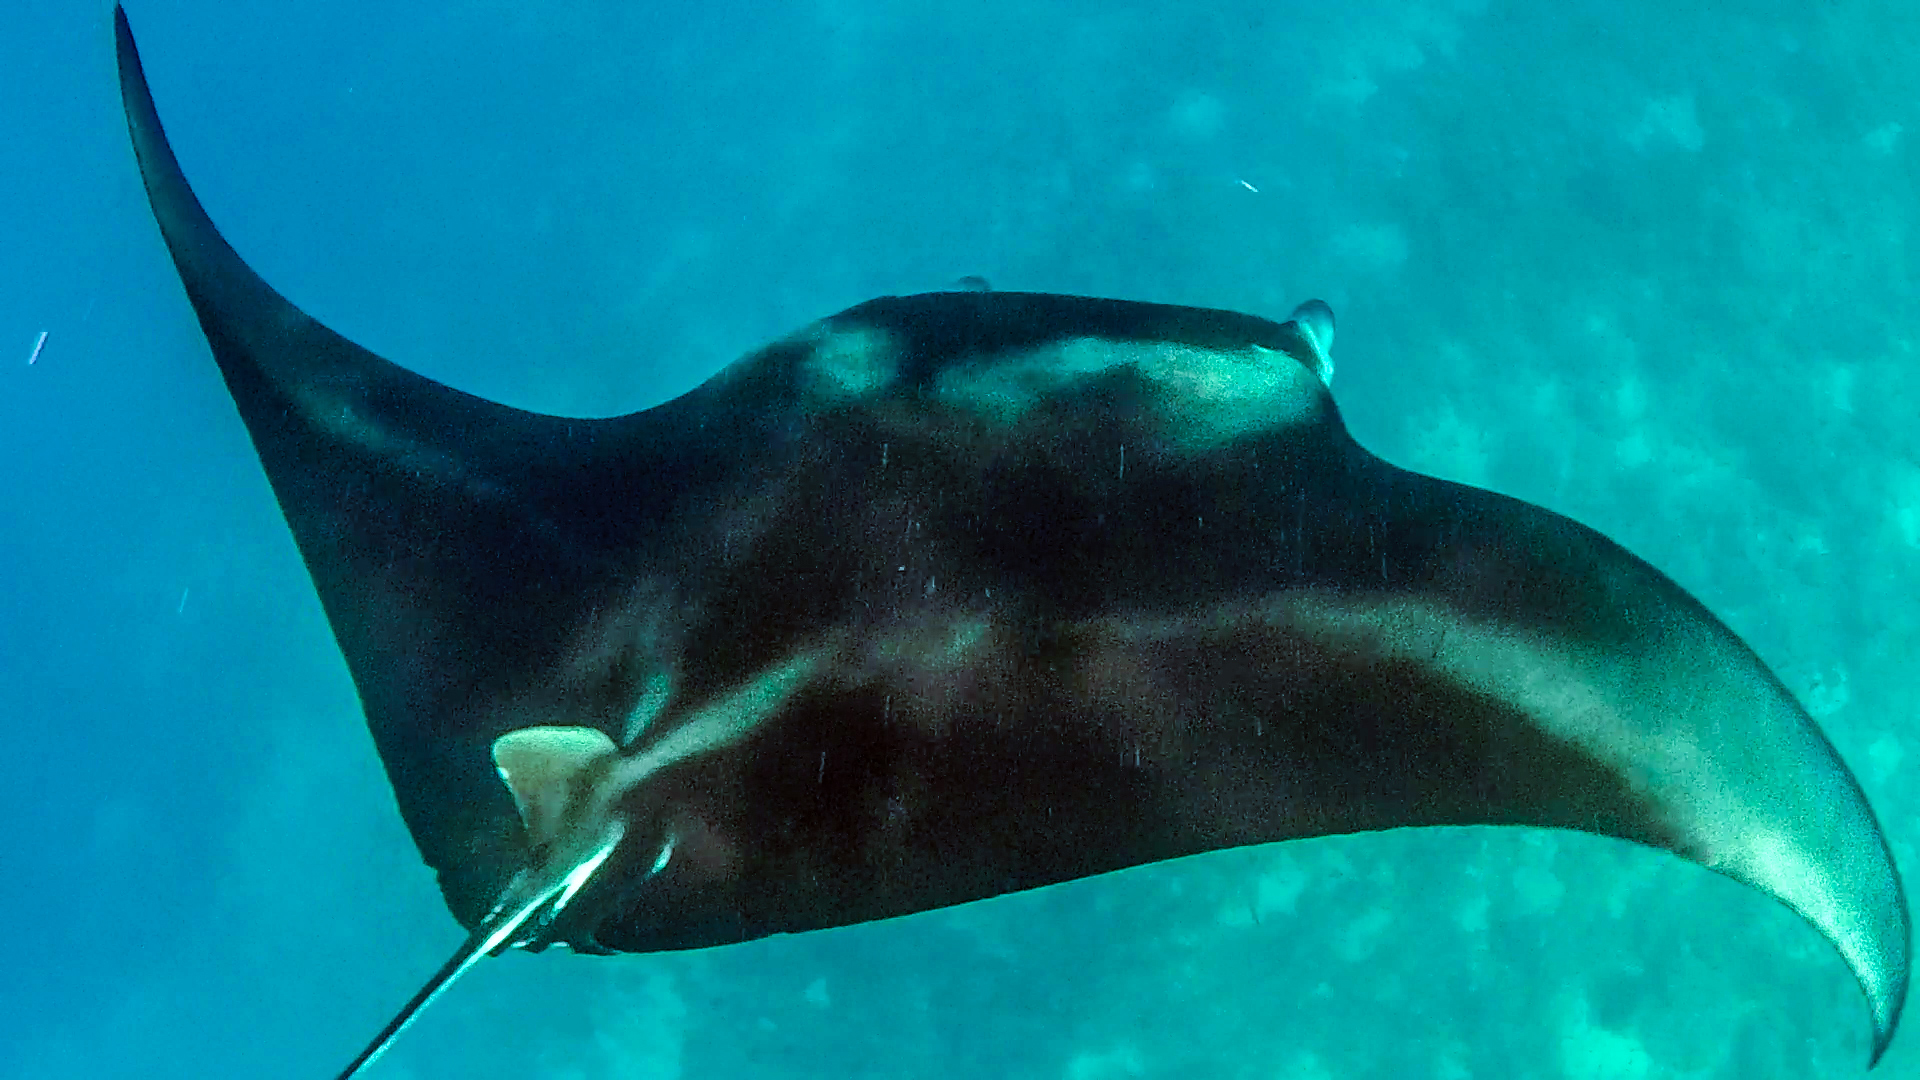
<point x="1887" y="1006"/>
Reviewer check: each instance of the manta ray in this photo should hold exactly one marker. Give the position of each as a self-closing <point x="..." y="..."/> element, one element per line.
<point x="952" y="595"/>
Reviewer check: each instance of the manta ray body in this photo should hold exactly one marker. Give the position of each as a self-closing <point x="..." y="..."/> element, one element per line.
<point x="957" y="594"/>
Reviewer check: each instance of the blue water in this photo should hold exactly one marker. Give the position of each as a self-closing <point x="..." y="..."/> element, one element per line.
<point x="1643" y="264"/>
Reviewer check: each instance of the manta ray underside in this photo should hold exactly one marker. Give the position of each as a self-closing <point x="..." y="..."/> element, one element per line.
<point x="952" y="595"/>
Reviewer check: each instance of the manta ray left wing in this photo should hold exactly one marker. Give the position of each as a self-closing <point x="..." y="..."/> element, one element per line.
<point x="458" y="545"/>
<point x="951" y="595"/>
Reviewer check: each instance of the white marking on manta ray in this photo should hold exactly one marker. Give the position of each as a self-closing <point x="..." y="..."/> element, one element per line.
<point x="722" y="722"/>
<point x="1208" y="397"/>
<point x="666" y="855"/>
<point x="850" y="363"/>
<point x="1621" y="710"/>
<point x="653" y="701"/>
<point x="339" y="414"/>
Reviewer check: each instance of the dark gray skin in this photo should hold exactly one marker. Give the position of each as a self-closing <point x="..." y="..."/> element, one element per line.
<point x="959" y="594"/>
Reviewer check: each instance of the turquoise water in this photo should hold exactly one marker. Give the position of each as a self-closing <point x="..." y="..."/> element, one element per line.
<point x="1644" y="266"/>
